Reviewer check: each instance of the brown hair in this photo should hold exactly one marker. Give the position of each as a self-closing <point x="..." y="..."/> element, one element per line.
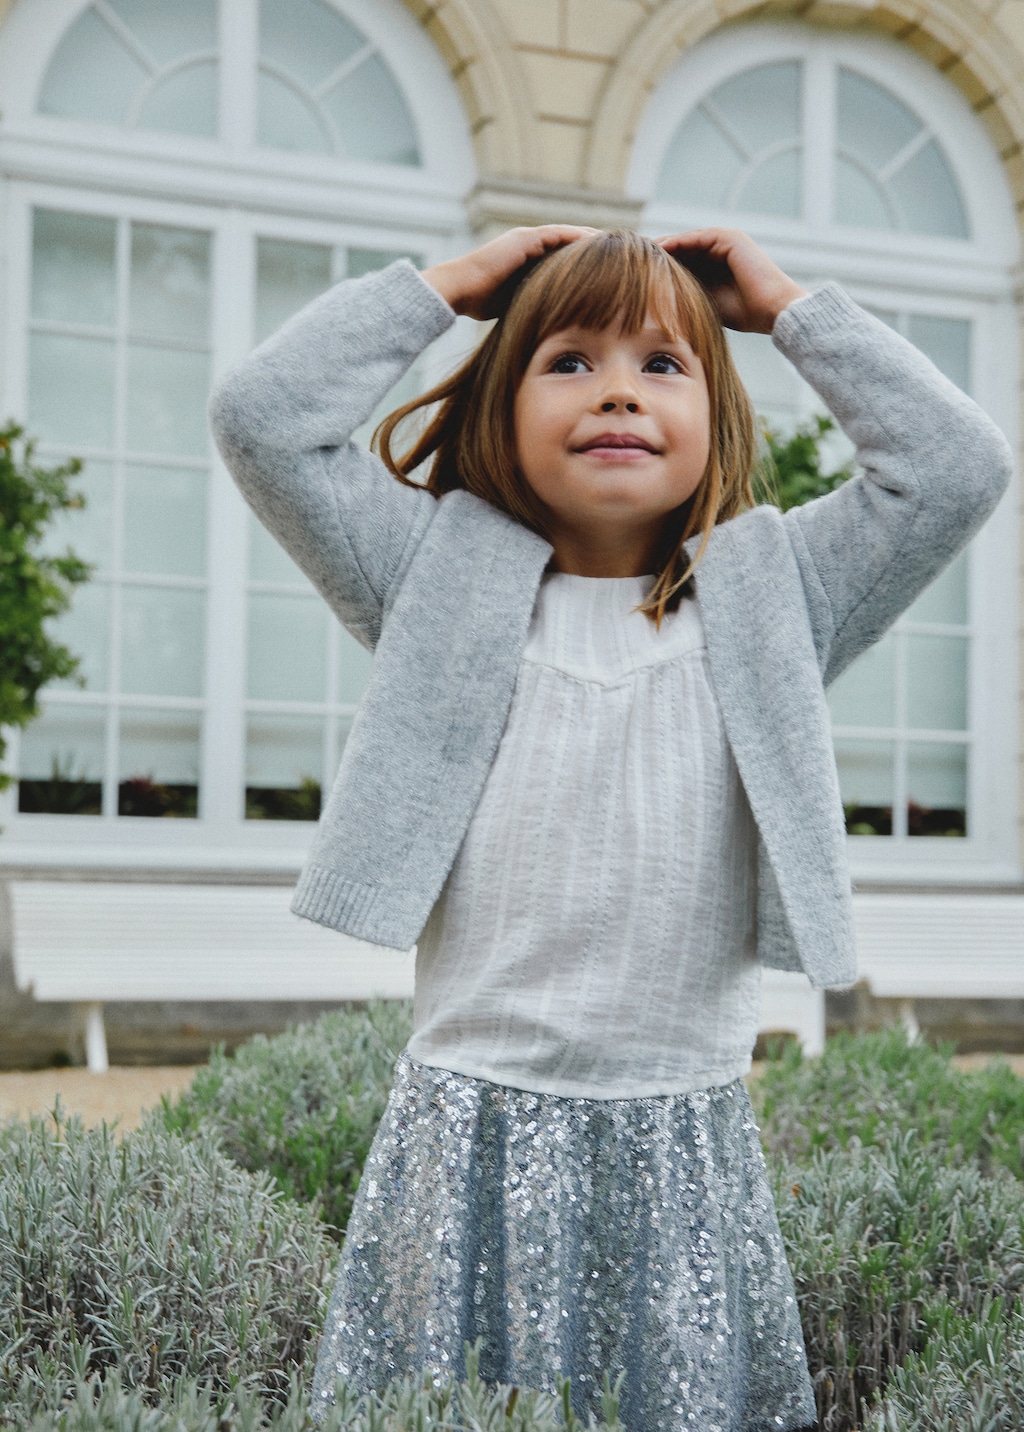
<point x="616" y="278"/>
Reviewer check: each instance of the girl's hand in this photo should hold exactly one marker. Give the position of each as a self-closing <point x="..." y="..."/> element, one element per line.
<point x="748" y="290"/>
<point x="473" y="284"/>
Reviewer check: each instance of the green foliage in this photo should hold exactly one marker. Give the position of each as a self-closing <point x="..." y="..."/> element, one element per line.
<point x="33" y="588"/>
<point x="969" y="1378"/>
<point x="304" y="1106"/>
<point x="106" y="1405"/>
<point x="154" y="1255"/>
<point x="879" y="1239"/>
<point x="791" y="471"/>
<point x="875" y="1087"/>
<point x="900" y="1199"/>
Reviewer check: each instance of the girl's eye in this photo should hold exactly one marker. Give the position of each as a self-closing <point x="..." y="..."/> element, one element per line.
<point x="568" y="363"/>
<point x="663" y="363"/>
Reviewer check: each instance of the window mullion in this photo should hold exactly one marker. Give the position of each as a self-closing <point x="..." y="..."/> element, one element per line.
<point x="223" y="776"/>
<point x="899" y="793"/>
<point x="819" y="112"/>
<point x="239" y="63"/>
<point x="123" y="280"/>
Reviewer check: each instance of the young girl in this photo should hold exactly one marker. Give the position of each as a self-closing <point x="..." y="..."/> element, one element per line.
<point x="592" y="775"/>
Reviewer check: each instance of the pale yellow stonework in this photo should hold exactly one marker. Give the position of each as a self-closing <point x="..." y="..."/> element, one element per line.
<point x="601" y="29"/>
<point x="533" y="22"/>
<point x="564" y="87"/>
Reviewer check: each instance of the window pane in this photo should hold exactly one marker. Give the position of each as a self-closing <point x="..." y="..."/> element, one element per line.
<point x="87" y="530"/>
<point x="170" y="287"/>
<point x="937" y="682"/>
<point x="61" y="765"/>
<point x="360" y="261"/>
<point x="73" y="267"/>
<point x="872" y="124"/>
<point x="859" y="199"/>
<point x="85" y="630"/>
<point x="371" y="116"/>
<point x="288" y="275"/>
<point x="936" y="789"/>
<point x="167" y="32"/>
<point x="287" y="120"/>
<point x="92" y="75"/>
<point x="928" y="196"/>
<point x="866" y="785"/>
<point x="268" y="561"/>
<point x="184" y="103"/>
<point x="165" y="521"/>
<point x="701" y="164"/>
<point x="286" y="648"/>
<point x="162" y="641"/>
<point x="773" y="383"/>
<point x="306" y="38"/>
<point x="773" y="188"/>
<point x="863" y="695"/>
<point x="354" y="663"/>
<point x="158" y="764"/>
<point x="283" y="768"/>
<point x="762" y="105"/>
<point x="71" y="390"/>
<point x="947" y="342"/>
<point x="946" y="599"/>
<point x="167" y="392"/>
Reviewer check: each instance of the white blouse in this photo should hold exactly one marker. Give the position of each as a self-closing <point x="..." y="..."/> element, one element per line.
<point x="596" y="936"/>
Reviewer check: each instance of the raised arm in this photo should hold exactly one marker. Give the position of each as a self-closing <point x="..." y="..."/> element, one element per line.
<point x="283" y="420"/>
<point x="934" y="465"/>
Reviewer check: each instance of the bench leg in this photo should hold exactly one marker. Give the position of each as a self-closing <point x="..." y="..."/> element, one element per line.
<point x="908" y="1018"/>
<point x="95" y="1037"/>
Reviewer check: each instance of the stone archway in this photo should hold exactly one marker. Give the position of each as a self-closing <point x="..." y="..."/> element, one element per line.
<point x="473" y="43"/>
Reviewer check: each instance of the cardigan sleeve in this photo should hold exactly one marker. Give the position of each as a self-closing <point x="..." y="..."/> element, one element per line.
<point x="283" y="420"/>
<point x="933" y="468"/>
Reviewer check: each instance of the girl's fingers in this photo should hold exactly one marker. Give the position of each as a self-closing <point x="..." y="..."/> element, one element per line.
<point x="474" y="283"/>
<point x="747" y="287"/>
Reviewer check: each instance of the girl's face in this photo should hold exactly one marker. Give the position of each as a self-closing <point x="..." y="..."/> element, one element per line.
<point x="613" y="429"/>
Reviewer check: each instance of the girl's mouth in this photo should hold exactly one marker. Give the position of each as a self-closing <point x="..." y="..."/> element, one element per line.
<point x="617" y="442"/>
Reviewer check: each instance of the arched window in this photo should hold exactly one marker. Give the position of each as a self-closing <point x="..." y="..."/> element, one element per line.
<point x="323" y="87"/>
<point x="849" y="158"/>
<point x="183" y="177"/>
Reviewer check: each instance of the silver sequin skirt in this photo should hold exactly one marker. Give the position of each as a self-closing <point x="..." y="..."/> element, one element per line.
<point x="572" y="1236"/>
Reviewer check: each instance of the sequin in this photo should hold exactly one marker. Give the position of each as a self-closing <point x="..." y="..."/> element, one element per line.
<point x="572" y="1236"/>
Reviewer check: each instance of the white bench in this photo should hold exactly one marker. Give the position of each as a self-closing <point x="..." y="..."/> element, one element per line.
<point x="940" y="947"/>
<point x="94" y="942"/>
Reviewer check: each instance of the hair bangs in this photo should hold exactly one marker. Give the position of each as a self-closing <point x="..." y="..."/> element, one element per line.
<point x="619" y="279"/>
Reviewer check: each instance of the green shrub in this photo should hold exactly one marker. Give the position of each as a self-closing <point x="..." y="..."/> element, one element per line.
<point x="969" y="1378"/>
<point x="34" y="587"/>
<point x="154" y="1255"/>
<point x="874" y="1087"/>
<point x="471" y="1406"/>
<point x="877" y="1239"/>
<point x="304" y="1106"/>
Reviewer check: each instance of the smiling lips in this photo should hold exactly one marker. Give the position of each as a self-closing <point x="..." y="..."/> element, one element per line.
<point x="619" y="442"/>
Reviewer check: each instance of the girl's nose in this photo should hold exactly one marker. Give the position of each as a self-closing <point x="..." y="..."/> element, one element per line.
<point x="610" y="405"/>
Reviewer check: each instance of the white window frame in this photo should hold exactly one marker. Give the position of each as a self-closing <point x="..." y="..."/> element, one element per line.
<point x="236" y="193"/>
<point x="970" y="278"/>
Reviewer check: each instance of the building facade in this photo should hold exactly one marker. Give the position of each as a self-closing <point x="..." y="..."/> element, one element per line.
<point x="177" y="179"/>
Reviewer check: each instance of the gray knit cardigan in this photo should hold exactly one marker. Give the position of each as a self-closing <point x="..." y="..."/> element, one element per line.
<point x="443" y="591"/>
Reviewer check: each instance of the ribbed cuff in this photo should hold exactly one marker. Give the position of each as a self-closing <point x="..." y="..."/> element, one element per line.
<point x="823" y="311"/>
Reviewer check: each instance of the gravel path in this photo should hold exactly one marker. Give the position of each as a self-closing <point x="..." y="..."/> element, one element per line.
<point x="121" y="1094"/>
